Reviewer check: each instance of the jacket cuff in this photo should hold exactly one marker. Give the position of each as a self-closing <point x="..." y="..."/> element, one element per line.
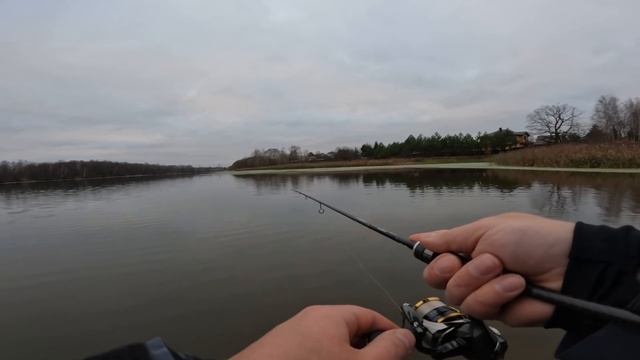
<point x="602" y="267"/>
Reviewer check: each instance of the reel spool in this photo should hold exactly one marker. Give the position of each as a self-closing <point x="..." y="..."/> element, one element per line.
<point x="442" y="331"/>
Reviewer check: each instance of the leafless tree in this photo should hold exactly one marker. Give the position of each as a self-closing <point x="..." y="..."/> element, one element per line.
<point x="556" y="121"/>
<point x="631" y="117"/>
<point x="606" y="115"/>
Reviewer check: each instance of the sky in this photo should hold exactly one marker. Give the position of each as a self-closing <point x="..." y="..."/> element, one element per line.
<point x="205" y="82"/>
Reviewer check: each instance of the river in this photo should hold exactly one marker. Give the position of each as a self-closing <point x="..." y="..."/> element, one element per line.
<point x="211" y="262"/>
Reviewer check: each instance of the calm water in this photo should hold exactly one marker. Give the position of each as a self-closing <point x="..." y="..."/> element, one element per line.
<point x="211" y="262"/>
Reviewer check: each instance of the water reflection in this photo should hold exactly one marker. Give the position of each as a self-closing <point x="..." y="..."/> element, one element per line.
<point x="613" y="194"/>
<point x="550" y="193"/>
<point x="166" y="257"/>
<point x="417" y="182"/>
<point x="20" y="198"/>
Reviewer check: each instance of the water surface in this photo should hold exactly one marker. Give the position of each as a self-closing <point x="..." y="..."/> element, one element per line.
<point x="211" y="262"/>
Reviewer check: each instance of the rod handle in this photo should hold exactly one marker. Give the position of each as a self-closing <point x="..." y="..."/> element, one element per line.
<point x="423" y="254"/>
<point x="549" y="296"/>
<point x="426" y="256"/>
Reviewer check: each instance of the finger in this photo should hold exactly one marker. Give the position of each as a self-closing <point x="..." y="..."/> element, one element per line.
<point x="462" y="239"/>
<point x="440" y="270"/>
<point x="361" y="321"/>
<point x="390" y="345"/>
<point x="487" y="301"/>
<point x="472" y="276"/>
<point x="526" y="311"/>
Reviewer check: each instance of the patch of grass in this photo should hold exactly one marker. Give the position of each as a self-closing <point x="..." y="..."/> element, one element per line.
<point x="609" y="155"/>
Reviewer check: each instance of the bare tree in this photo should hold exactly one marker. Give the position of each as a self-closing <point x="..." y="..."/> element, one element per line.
<point x="631" y="117"/>
<point x="606" y="115"/>
<point x="556" y="121"/>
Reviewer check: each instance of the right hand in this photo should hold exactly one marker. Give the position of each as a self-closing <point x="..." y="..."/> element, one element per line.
<point x="333" y="333"/>
<point x="506" y="249"/>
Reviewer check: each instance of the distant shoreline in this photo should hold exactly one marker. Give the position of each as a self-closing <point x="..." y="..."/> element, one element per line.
<point x="611" y="157"/>
<point x="453" y="166"/>
<point x="107" y="178"/>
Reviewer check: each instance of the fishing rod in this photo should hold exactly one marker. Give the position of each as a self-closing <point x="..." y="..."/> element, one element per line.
<point x="601" y="311"/>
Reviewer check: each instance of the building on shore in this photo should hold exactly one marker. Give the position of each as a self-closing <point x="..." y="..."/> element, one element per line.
<point x="507" y="139"/>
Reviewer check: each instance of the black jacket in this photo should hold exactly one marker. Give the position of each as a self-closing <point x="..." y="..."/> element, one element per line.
<point x="603" y="267"/>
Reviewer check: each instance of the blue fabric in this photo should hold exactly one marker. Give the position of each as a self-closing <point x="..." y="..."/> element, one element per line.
<point x="158" y="350"/>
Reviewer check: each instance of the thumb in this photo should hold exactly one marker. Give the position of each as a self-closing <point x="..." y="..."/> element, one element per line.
<point x="393" y="344"/>
<point x="436" y="241"/>
<point x="461" y="239"/>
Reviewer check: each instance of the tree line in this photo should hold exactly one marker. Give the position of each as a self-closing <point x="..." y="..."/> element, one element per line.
<point x="26" y="171"/>
<point x="412" y="146"/>
<point x="438" y="145"/>
<point x="611" y="120"/>
<point x="618" y="120"/>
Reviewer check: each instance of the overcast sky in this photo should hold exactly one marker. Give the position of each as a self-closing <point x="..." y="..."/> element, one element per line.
<point x="206" y="82"/>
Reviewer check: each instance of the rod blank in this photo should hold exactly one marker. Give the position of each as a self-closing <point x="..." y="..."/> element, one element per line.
<point x="543" y="294"/>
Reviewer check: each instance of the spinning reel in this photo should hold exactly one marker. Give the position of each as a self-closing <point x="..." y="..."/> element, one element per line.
<point x="442" y="332"/>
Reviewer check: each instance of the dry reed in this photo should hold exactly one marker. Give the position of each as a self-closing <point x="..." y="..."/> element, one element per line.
<point x="608" y="155"/>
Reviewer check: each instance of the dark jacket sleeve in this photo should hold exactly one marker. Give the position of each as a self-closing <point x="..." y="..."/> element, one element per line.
<point x="603" y="267"/>
<point x="154" y="349"/>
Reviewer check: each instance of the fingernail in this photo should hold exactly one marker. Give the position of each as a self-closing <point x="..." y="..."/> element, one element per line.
<point x="510" y="284"/>
<point x="484" y="265"/>
<point x="406" y="337"/>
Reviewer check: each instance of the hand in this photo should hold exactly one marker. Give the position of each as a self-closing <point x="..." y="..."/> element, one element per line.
<point x="505" y="249"/>
<point x="331" y="332"/>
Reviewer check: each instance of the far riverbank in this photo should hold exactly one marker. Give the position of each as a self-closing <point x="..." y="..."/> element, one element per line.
<point x="468" y="165"/>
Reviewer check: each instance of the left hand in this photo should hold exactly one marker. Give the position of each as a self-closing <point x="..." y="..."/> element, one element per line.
<point x="332" y="333"/>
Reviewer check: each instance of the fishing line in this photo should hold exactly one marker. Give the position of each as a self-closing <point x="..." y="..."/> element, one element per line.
<point x="364" y="269"/>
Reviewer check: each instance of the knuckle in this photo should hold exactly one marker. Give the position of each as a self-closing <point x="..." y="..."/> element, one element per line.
<point x="480" y="306"/>
<point x="312" y="311"/>
<point x="352" y="308"/>
<point x="511" y="215"/>
<point x="435" y="280"/>
<point x="456" y="293"/>
<point x="484" y="266"/>
<point x="477" y="309"/>
<point x="464" y="283"/>
<point x="426" y="275"/>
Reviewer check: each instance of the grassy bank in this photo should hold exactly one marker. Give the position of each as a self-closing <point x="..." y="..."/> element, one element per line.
<point x="370" y="162"/>
<point x="444" y="166"/>
<point x="613" y="156"/>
